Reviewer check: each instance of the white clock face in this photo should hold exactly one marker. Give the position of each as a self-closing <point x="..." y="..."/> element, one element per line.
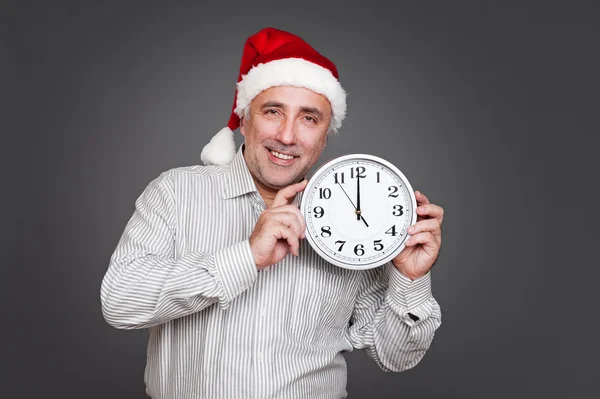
<point x="357" y="209"/>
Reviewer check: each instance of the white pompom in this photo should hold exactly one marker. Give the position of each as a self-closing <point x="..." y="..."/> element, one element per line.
<point x="221" y="149"/>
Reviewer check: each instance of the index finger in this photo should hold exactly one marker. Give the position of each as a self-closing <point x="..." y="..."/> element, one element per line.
<point x="286" y="195"/>
<point x="421" y="198"/>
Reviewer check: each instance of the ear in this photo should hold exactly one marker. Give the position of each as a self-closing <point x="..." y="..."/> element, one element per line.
<point x="243" y="126"/>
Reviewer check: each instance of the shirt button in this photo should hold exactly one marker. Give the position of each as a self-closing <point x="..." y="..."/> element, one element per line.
<point x="260" y="356"/>
<point x="263" y="312"/>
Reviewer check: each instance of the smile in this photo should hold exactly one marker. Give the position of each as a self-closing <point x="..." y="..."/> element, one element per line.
<point x="281" y="156"/>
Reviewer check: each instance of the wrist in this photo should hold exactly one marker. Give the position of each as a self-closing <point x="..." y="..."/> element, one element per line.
<point x="408" y="274"/>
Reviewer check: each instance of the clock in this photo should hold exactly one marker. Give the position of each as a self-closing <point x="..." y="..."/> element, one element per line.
<point x="357" y="209"/>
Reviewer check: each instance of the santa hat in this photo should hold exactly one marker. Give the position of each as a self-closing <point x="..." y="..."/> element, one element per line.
<point x="273" y="57"/>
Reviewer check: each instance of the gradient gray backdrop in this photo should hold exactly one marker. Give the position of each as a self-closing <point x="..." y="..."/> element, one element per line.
<point x="487" y="109"/>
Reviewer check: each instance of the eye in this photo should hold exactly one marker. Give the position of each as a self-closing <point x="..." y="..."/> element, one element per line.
<point x="310" y="119"/>
<point x="271" y="112"/>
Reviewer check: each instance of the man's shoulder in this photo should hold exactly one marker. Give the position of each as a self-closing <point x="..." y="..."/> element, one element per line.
<point x="198" y="170"/>
<point x="190" y="173"/>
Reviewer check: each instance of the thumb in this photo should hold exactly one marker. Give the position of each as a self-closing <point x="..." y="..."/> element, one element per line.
<point x="286" y="195"/>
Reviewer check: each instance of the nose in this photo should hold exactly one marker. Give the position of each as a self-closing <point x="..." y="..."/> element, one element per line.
<point x="286" y="133"/>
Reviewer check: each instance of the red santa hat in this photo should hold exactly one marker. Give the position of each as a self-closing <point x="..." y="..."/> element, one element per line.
<point x="273" y="57"/>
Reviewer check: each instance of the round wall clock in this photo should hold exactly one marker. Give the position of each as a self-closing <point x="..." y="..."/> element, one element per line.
<point x="357" y="208"/>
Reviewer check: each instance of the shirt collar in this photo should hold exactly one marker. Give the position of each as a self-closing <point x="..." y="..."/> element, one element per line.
<point x="240" y="180"/>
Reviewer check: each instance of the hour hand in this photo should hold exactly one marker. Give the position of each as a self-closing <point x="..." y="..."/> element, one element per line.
<point x="363" y="219"/>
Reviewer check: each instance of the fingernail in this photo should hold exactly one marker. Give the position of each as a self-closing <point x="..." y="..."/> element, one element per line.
<point x="411" y="229"/>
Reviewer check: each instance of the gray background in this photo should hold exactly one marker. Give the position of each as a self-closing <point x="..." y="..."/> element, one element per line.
<point x="487" y="107"/>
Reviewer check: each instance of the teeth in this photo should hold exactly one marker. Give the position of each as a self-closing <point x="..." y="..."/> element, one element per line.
<point x="281" y="156"/>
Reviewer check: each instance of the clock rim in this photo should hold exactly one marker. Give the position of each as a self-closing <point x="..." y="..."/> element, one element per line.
<point x="342" y="158"/>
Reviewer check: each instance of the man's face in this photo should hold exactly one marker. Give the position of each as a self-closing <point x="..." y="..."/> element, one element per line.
<point x="285" y="134"/>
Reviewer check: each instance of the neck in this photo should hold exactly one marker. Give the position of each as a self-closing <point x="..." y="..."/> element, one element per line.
<point x="267" y="194"/>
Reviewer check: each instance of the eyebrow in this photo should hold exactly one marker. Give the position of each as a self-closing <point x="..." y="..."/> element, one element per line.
<point x="309" y="110"/>
<point x="312" y="110"/>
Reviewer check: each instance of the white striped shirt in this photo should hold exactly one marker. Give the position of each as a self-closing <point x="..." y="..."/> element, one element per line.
<point x="219" y="328"/>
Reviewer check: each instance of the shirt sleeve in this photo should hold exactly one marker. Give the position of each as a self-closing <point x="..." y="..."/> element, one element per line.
<point x="146" y="284"/>
<point x="395" y="318"/>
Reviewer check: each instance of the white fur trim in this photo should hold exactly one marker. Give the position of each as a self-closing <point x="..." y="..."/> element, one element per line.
<point x="293" y="72"/>
<point x="221" y="148"/>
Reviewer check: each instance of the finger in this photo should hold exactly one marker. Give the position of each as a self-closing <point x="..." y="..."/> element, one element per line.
<point x="286" y="195"/>
<point x="431" y="225"/>
<point x="431" y="210"/>
<point x="289" y="219"/>
<point x="291" y="209"/>
<point x="426" y="239"/>
<point x="289" y="235"/>
<point x="421" y="198"/>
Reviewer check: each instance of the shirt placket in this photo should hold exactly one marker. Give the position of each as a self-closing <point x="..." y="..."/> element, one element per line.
<point x="261" y="322"/>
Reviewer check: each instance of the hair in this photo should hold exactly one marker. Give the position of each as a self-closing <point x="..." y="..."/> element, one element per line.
<point x="330" y="128"/>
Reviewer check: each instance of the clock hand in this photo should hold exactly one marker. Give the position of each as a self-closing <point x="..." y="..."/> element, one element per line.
<point x="363" y="219"/>
<point x="356" y="210"/>
<point x="347" y="195"/>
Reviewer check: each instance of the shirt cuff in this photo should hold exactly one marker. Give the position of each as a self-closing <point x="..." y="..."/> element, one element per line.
<point x="236" y="268"/>
<point x="410" y="298"/>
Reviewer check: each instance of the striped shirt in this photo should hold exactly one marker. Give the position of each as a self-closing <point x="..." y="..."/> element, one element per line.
<point x="219" y="328"/>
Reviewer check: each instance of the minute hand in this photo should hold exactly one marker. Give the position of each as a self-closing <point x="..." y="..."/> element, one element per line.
<point x="358" y="211"/>
<point x="363" y="219"/>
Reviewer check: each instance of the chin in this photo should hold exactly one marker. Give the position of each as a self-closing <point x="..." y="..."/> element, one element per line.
<point x="279" y="183"/>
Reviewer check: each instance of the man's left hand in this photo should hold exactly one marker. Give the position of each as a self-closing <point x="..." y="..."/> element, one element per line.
<point x="423" y="246"/>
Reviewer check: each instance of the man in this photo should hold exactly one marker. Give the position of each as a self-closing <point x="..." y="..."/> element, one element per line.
<point x="214" y="264"/>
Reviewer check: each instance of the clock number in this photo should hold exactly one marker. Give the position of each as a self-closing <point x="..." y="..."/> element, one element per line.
<point x="319" y="212"/>
<point x="378" y="178"/>
<point x="358" y="250"/>
<point x="341" y="178"/>
<point x="392" y="231"/>
<point x="324" y="193"/>
<point x="360" y="172"/>
<point x="341" y="246"/>
<point x="397" y="208"/>
<point x="393" y="190"/>
<point x="326" y="231"/>
<point x="378" y="246"/>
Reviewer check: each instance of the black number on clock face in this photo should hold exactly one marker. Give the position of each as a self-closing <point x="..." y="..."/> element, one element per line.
<point x="326" y="231"/>
<point x="340" y="179"/>
<point x="398" y="210"/>
<point x="324" y="193"/>
<point x="393" y="192"/>
<point x="342" y="244"/>
<point x="391" y="231"/>
<point x="319" y="212"/>
<point x="359" y="171"/>
<point x="377" y="245"/>
<point x="358" y="250"/>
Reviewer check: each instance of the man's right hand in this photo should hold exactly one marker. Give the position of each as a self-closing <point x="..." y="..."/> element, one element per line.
<point x="279" y="228"/>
